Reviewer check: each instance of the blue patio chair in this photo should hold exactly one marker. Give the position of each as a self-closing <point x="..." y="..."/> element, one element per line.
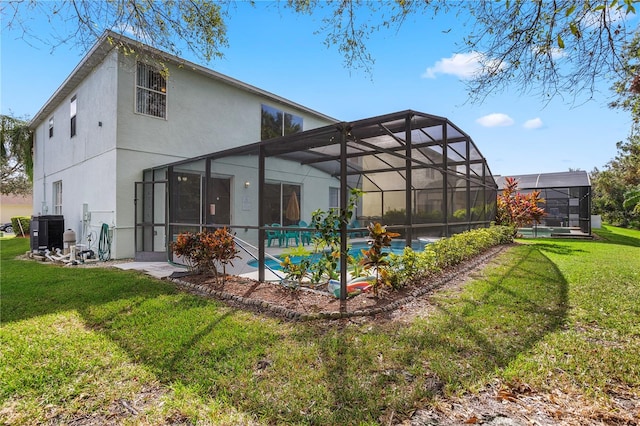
<point x="291" y="234"/>
<point x="305" y="236"/>
<point x="274" y="234"/>
<point x="356" y="233"/>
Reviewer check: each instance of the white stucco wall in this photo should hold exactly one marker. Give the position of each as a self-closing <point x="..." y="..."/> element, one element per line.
<point x="204" y="115"/>
<point x="85" y="163"/>
<point x="100" y="165"/>
<point x="314" y="191"/>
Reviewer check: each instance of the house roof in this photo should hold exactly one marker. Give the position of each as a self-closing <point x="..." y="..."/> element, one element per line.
<point x="105" y="45"/>
<point x="548" y="180"/>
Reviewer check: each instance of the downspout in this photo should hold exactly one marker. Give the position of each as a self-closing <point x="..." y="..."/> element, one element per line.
<point x="43" y="204"/>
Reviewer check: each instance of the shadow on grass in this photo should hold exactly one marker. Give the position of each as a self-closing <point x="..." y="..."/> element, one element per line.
<point x="31" y="289"/>
<point x="525" y="302"/>
<point x="503" y="314"/>
<point x="558" y="249"/>
<point x="180" y="337"/>
<point x="459" y="344"/>
<point x="338" y="372"/>
<point x="613" y="236"/>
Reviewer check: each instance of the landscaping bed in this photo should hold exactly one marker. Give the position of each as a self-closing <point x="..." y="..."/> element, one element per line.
<point x="309" y="304"/>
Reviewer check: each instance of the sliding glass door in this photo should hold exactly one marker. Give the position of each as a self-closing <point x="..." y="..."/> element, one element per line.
<point x="282" y="204"/>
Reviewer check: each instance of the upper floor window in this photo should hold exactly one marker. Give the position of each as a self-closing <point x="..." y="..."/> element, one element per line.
<point x="151" y="91"/>
<point x="73" y="111"/>
<point x="277" y="123"/>
<point x="51" y="127"/>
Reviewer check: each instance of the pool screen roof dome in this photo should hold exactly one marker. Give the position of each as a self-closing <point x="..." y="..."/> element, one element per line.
<point x="376" y="144"/>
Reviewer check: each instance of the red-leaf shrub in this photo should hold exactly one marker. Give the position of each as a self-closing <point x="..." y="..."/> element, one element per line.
<point x="516" y="209"/>
<point x="203" y="251"/>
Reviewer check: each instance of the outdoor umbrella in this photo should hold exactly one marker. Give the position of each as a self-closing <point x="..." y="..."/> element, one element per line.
<point x="293" y="208"/>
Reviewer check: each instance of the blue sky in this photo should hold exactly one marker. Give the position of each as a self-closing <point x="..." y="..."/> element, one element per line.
<point x="414" y="68"/>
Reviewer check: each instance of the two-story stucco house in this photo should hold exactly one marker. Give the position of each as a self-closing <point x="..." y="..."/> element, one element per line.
<point x="118" y="114"/>
<point x="138" y="153"/>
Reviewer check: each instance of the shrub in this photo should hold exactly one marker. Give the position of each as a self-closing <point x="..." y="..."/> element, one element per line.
<point x="204" y="250"/>
<point x="395" y="217"/>
<point x="223" y="249"/>
<point x="296" y="271"/>
<point x="516" y="209"/>
<point x="21" y="225"/>
<point x="326" y="239"/>
<point x="411" y="266"/>
<point x="189" y="246"/>
<point x="375" y="258"/>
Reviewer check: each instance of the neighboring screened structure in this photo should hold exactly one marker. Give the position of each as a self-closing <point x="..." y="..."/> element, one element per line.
<point x="567" y="197"/>
<point x="421" y="175"/>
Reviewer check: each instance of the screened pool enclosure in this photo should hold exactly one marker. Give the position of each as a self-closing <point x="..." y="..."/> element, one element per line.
<point x="420" y="174"/>
<point x="567" y="201"/>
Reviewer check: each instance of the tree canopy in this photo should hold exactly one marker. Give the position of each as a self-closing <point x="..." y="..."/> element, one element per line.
<point x="627" y="85"/>
<point x="169" y="25"/>
<point x="560" y="47"/>
<point x="16" y="162"/>
<point x="616" y="186"/>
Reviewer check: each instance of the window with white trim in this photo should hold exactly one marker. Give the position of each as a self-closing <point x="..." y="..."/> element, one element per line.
<point x="334" y="197"/>
<point x="73" y="110"/>
<point x="51" y="127"/>
<point x="57" y="197"/>
<point x="151" y="91"/>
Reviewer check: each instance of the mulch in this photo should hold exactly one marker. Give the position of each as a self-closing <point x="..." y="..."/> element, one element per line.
<point x="310" y="304"/>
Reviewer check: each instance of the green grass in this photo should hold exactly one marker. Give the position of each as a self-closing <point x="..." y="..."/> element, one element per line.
<point x="78" y="342"/>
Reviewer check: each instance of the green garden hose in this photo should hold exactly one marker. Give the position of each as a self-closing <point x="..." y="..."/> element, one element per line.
<point x="104" y="243"/>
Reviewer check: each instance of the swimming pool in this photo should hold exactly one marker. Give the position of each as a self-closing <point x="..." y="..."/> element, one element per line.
<point x="397" y="247"/>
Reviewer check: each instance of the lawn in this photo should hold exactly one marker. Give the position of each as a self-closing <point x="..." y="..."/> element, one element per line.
<point x="102" y="345"/>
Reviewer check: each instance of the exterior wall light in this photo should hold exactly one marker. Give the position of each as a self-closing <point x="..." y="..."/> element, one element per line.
<point x="247" y="184"/>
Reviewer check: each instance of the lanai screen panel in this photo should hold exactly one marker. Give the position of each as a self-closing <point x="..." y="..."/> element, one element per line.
<point x="567" y="197"/>
<point x="402" y="160"/>
<point x="420" y="174"/>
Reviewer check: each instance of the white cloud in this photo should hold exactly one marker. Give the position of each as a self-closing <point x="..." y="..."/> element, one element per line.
<point x="463" y="65"/>
<point x="495" y="120"/>
<point x="534" y="123"/>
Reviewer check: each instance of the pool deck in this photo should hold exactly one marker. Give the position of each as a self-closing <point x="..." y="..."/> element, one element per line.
<point x="553" y="232"/>
<point x="240" y="267"/>
<point x="162" y="270"/>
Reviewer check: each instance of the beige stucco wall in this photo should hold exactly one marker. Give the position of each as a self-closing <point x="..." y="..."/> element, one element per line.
<point x="15" y="205"/>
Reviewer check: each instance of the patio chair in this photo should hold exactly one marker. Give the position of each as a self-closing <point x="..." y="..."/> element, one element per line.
<point x="305" y="236"/>
<point x="274" y="234"/>
<point x="353" y="225"/>
<point x="291" y="234"/>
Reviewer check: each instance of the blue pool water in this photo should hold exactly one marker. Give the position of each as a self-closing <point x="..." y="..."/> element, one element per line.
<point x="397" y="247"/>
